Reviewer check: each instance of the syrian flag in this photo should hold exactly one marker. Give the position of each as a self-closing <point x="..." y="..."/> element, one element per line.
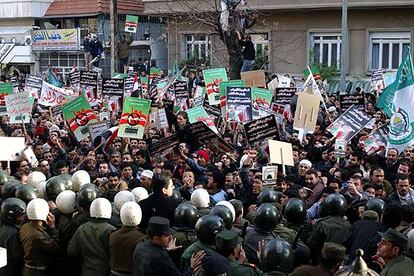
<point x="401" y="134"/>
<point x="104" y="141"/>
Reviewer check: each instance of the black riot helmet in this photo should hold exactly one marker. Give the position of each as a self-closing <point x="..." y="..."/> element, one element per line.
<point x="11" y="208"/>
<point x="4" y="177"/>
<point x="67" y="180"/>
<point x="176" y="195"/>
<point x="26" y="193"/>
<point x="266" y="217"/>
<point x="54" y="186"/>
<point x="9" y="189"/>
<point x="334" y="205"/>
<point x="186" y="215"/>
<point x="277" y="256"/>
<point x="223" y="212"/>
<point x="377" y="205"/>
<point x="207" y="227"/>
<point x="295" y="211"/>
<point x="267" y="196"/>
<point x="87" y="194"/>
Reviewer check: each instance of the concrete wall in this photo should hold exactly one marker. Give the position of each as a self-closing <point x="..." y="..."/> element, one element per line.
<point x="289" y="35"/>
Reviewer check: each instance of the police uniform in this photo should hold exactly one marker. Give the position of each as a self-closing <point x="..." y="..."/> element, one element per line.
<point x="194" y="248"/>
<point x="9" y="239"/>
<point x="39" y="246"/>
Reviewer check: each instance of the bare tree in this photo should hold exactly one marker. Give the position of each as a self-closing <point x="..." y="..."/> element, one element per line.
<point x="224" y="17"/>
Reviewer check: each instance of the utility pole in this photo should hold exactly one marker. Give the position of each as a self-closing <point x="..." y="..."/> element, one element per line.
<point x="344" y="46"/>
<point x="114" y="24"/>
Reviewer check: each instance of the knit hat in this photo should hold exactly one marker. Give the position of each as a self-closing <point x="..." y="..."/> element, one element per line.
<point x="204" y="154"/>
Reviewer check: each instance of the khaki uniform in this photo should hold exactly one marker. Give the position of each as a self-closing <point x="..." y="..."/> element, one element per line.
<point x="400" y="266"/>
<point x="39" y="246"/>
<point x="285" y="233"/>
<point x="238" y="269"/>
<point x="122" y="244"/>
<point x="194" y="248"/>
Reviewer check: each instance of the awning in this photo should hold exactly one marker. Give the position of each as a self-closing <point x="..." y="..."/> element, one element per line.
<point x="11" y="53"/>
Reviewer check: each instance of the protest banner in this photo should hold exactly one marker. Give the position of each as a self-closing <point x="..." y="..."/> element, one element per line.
<point x="162" y="119"/>
<point x="78" y="113"/>
<point x="283" y="96"/>
<point x="349" y="123"/>
<point x="346" y="101"/>
<point x="199" y="96"/>
<point x="113" y="87"/>
<point x="340" y="148"/>
<point x="223" y="93"/>
<point x="307" y="110"/>
<point x="33" y="85"/>
<point x="260" y="130"/>
<point x="164" y="145"/>
<point x="153" y="117"/>
<point x="376" y="140"/>
<point x="134" y="118"/>
<point x="269" y="175"/>
<point x="144" y="85"/>
<point x="281" y="153"/>
<point x="155" y="73"/>
<point x="15" y="83"/>
<point x="12" y="148"/>
<point x="104" y="115"/>
<point x="377" y="79"/>
<point x="199" y="114"/>
<point x="212" y="79"/>
<point x="88" y="81"/>
<point x="213" y="111"/>
<point x="200" y="133"/>
<point x="18" y="108"/>
<point x="181" y="95"/>
<point x="97" y="128"/>
<point x="261" y="99"/>
<point x="131" y="23"/>
<point x="74" y="78"/>
<point x="254" y="78"/>
<point x="30" y="156"/>
<point x="5" y="89"/>
<point x="239" y="104"/>
<point x="51" y="95"/>
<point x="128" y="87"/>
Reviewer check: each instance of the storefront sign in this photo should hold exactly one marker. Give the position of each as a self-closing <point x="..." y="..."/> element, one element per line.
<point x="58" y="39"/>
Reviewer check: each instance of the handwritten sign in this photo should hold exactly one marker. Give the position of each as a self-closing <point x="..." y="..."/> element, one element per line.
<point x="18" y="108"/>
<point x="51" y="95"/>
<point x="254" y="78"/>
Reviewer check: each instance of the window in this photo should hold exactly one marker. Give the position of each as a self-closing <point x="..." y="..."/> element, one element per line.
<point x="197" y="47"/>
<point x="63" y="62"/>
<point x="387" y="49"/>
<point x="89" y="23"/>
<point x="326" y="49"/>
<point x="261" y="46"/>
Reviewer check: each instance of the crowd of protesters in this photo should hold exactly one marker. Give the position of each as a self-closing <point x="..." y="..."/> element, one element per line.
<point x="124" y="211"/>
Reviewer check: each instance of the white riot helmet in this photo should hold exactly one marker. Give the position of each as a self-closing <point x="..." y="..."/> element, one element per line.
<point x="230" y="206"/>
<point x="80" y="178"/>
<point x="37" y="209"/>
<point x="131" y="214"/>
<point x="200" y="198"/>
<point x="410" y="244"/>
<point x="121" y="198"/>
<point x="139" y="193"/>
<point x="41" y="188"/>
<point x="66" y="202"/>
<point x="101" y="208"/>
<point x="35" y="177"/>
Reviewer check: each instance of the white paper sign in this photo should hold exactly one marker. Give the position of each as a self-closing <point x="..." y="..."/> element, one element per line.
<point x="162" y="118"/>
<point x="284" y="82"/>
<point x="11" y="148"/>
<point x="18" y="108"/>
<point x="96" y="129"/>
<point x="31" y="157"/>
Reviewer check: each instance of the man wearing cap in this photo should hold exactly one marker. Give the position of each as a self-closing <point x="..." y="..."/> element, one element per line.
<point x="151" y="256"/>
<point x="145" y="180"/>
<point x="198" y="166"/>
<point x="229" y="244"/>
<point x="332" y="258"/>
<point x="390" y="254"/>
<point x="304" y="166"/>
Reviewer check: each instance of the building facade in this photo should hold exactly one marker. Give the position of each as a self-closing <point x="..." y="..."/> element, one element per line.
<point x="290" y="35"/>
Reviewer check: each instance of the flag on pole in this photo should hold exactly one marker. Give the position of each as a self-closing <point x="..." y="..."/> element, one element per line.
<point x="53" y="79"/>
<point x="310" y="83"/>
<point x="401" y="133"/>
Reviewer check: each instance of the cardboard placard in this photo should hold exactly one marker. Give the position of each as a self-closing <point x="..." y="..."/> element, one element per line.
<point x="283" y="96"/>
<point x="33" y="86"/>
<point x="162" y="119"/>
<point x="307" y="110"/>
<point x="239" y="104"/>
<point x="254" y="78"/>
<point x="18" y="108"/>
<point x="260" y="130"/>
<point x="340" y="148"/>
<point x="153" y="117"/>
<point x="12" y="148"/>
<point x="104" y="115"/>
<point x="30" y="156"/>
<point x="212" y="79"/>
<point x="96" y="129"/>
<point x="131" y="23"/>
<point x="273" y="84"/>
<point x="284" y="82"/>
<point x="163" y="145"/>
<point x="5" y="89"/>
<point x="134" y="118"/>
<point x="281" y="153"/>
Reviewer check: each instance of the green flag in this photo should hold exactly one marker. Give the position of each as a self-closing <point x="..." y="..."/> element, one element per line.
<point x="385" y="100"/>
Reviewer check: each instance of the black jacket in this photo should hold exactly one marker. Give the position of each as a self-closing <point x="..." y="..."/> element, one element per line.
<point x="157" y="205"/>
<point x="9" y="239"/>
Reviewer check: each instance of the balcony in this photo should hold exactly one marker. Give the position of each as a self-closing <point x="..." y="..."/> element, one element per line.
<point x="11" y="9"/>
